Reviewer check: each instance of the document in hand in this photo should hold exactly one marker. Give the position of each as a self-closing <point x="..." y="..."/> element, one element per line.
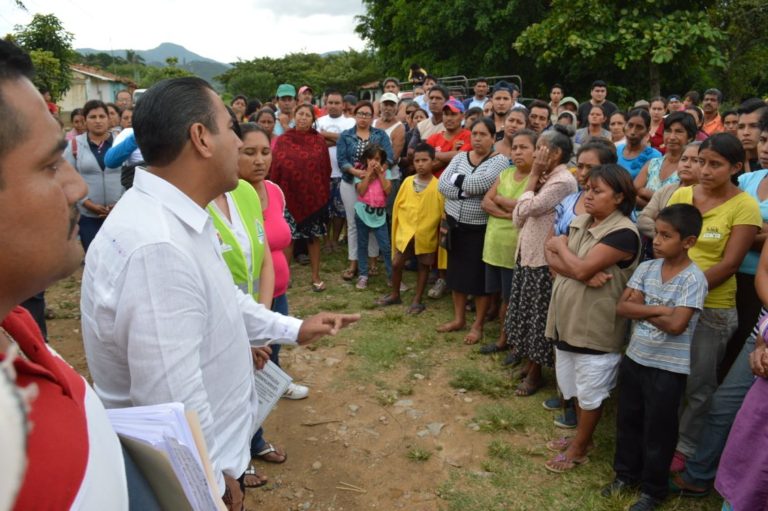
<point x="271" y="384"/>
<point x="168" y="447"/>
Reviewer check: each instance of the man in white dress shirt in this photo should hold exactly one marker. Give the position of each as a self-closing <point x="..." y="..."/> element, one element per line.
<point x="162" y="320"/>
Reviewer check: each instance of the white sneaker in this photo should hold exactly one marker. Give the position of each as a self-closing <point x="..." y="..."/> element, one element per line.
<point x="438" y="290"/>
<point x="295" y="391"/>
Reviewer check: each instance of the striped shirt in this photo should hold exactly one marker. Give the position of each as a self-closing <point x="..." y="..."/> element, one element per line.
<point x="650" y="346"/>
<point x="464" y="185"/>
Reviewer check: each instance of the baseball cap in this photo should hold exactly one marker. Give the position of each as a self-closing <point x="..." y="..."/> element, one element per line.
<point x="674" y="97"/>
<point x="641" y="103"/>
<point x="304" y="89"/>
<point x="454" y="105"/>
<point x="389" y="96"/>
<point x="569" y="99"/>
<point x="285" y="89"/>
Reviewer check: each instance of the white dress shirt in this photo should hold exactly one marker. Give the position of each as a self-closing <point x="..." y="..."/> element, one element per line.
<point x="163" y="321"/>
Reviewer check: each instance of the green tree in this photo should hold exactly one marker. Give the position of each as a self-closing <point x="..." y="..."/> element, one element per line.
<point x="48" y="74"/>
<point x="153" y="74"/>
<point x="46" y="33"/>
<point x="450" y="37"/>
<point x="260" y="77"/>
<point x="661" y="37"/>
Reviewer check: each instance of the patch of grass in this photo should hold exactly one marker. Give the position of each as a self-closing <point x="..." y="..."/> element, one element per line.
<point x="496" y="417"/>
<point x="488" y="383"/>
<point x="418" y="454"/>
<point x="406" y="389"/>
<point x="500" y="449"/>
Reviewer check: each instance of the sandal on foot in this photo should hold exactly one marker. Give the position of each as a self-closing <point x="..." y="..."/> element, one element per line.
<point x="388" y="300"/>
<point x="318" y="287"/>
<point x="559" y="444"/>
<point x="349" y="274"/>
<point x="416" y="308"/>
<point x="525" y="389"/>
<point x="271" y="454"/>
<point x="563" y="443"/>
<point x="474" y="336"/>
<point x="256" y="480"/>
<point x="561" y="464"/>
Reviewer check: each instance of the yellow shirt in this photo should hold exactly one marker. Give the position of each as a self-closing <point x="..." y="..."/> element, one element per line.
<point x="715" y="233"/>
<point x="417" y="214"/>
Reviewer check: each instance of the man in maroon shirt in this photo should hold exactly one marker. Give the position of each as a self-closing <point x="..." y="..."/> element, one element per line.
<point x="74" y="459"/>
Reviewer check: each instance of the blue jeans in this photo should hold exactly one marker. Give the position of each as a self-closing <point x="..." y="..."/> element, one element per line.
<point x="279" y="305"/>
<point x="701" y="468"/>
<point x="710" y="337"/>
<point x="382" y="236"/>
<point x="89" y="226"/>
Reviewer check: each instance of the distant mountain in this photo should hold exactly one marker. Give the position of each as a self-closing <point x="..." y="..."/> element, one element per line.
<point x="201" y="66"/>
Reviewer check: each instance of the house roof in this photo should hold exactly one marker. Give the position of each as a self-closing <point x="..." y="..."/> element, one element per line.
<point x="95" y="72"/>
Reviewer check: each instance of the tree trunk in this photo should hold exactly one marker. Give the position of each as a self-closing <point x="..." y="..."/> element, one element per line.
<point x="654" y="79"/>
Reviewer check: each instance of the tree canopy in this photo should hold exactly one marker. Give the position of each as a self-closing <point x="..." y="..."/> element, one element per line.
<point x="259" y="78"/>
<point x="639" y="47"/>
<point x="50" y="47"/>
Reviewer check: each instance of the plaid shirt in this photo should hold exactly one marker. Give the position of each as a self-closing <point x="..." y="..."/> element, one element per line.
<point x="464" y="186"/>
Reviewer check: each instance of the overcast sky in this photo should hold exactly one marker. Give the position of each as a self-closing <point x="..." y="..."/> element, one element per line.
<point x="224" y="30"/>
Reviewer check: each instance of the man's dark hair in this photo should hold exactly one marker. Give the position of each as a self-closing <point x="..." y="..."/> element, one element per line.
<point x="165" y="113"/>
<point x="423" y="147"/>
<point x="94" y="104"/>
<point x="604" y="149"/>
<point x="729" y="112"/>
<point x="481" y="80"/>
<point x="75" y="113"/>
<point x="557" y="86"/>
<point x="598" y="83"/>
<point x="14" y="65"/>
<point x="334" y="92"/>
<point x="751" y="105"/>
<point x="442" y="90"/>
<point x="686" y="120"/>
<point x="684" y="218"/>
<point x="537" y="103"/>
<point x="714" y="92"/>
<point x="429" y="77"/>
<point x="504" y="85"/>
<point x="618" y="179"/>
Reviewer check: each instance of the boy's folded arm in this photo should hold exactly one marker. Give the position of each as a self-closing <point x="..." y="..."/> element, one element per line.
<point x="674" y="323"/>
<point x="631" y="308"/>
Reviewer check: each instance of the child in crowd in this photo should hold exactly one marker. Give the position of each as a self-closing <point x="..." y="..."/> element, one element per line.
<point x="370" y="209"/>
<point x="416" y="216"/>
<point x="664" y="297"/>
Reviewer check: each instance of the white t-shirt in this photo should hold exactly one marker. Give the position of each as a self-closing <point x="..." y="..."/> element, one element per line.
<point x="334" y="125"/>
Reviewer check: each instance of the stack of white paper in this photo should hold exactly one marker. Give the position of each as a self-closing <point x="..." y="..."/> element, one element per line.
<point x="165" y="428"/>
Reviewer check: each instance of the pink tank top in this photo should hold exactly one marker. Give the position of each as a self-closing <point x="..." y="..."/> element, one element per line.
<point x="278" y="235"/>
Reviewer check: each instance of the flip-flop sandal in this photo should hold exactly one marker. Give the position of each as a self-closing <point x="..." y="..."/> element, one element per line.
<point x="525" y="389"/>
<point x="251" y="471"/>
<point x="349" y="274"/>
<point x="269" y="449"/>
<point x="473" y="337"/>
<point x="560" y="464"/>
<point x="318" y="287"/>
<point x="416" y="308"/>
<point x="563" y="443"/>
<point x="388" y="300"/>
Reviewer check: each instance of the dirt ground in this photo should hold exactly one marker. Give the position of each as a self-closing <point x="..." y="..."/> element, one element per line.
<point x="346" y="451"/>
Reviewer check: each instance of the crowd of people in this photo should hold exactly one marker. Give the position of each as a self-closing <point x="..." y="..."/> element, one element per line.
<point x="624" y="249"/>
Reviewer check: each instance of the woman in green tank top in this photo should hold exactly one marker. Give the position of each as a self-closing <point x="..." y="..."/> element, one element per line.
<point x="501" y="234"/>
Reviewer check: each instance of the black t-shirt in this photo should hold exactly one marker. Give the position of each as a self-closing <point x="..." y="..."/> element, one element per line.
<point x="625" y="240"/>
